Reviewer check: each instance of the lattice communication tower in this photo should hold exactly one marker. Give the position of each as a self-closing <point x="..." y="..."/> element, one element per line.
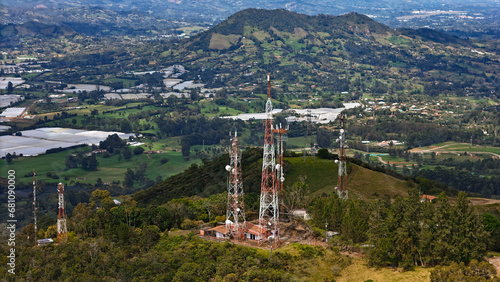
<point x="269" y="208"/>
<point x="235" y="215"/>
<point x="62" y="232"/>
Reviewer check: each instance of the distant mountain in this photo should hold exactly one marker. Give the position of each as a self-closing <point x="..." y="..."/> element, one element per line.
<point x="264" y="25"/>
<point x="259" y="26"/>
<point x="89" y="20"/>
<point x="325" y="54"/>
<point x="466" y="16"/>
<point x="285" y="20"/>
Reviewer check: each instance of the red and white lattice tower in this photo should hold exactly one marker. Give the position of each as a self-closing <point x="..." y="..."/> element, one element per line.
<point x="342" y="174"/>
<point x="269" y="209"/>
<point x="235" y="215"/>
<point x="62" y="232"/>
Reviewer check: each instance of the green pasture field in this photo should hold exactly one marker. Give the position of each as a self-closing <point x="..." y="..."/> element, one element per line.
<point x="315" y="171"/>
<point x="117" y="113"/>
<point x="223" y="110"/>
<point x="88" y="109"/>
<point x="122" y="112"/>
<point x="297" y="142"/>
<point x="466" y="147"/>
<point x="29" y="76"/>
<point x="109" y="169"/>
<point x="294" y="43"/>
<point x="474" y="148"/>
<point x="126" y="82"/>
<point x="473" y="100"/>
<point x="399" y="40"/>
<point x="190" y="29"/>
<point x="392" y="159"/>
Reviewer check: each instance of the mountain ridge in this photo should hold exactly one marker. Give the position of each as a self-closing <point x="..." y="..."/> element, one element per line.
<point x="479" y="18"/>
<point x="275" y="24"/>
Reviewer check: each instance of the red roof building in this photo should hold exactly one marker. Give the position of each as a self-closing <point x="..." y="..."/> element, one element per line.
<point x="428" y="198"/>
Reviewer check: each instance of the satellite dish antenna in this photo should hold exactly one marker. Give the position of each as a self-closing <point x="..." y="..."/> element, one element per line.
<point x="228" y="167"/>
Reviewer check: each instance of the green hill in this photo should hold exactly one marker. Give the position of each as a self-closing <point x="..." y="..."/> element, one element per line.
<point x="320" y="175"/>
<point x="261" y="26"/>
<point x="363" y="183"/>
<point x="333" y="54"/>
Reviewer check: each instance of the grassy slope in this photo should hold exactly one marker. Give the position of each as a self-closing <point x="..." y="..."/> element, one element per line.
<point x="321" y="174"/>
<point x="368" y="183"/>
<point x="322" y="178"/>
<point x="314" y="268"/>
<point x="359" y="271"/>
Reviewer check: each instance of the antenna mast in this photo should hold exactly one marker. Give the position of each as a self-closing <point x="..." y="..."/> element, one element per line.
<point x="309" y="139"/>
<point x="268" y="212"/>
<point x="62" y="232"/>
<point x="341" y="186"/>
<point x="235" y="215"/>
<point x="280" y="131"/>
<point x="34" y="202"/>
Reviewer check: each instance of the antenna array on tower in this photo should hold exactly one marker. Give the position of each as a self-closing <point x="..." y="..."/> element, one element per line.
<point x="341" y="186"/>
<point x="269" y="210"/>
<point x="235" y="215"/>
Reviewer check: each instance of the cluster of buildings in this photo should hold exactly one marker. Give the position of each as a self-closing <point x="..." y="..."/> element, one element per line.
<point x="250" y="231"/>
